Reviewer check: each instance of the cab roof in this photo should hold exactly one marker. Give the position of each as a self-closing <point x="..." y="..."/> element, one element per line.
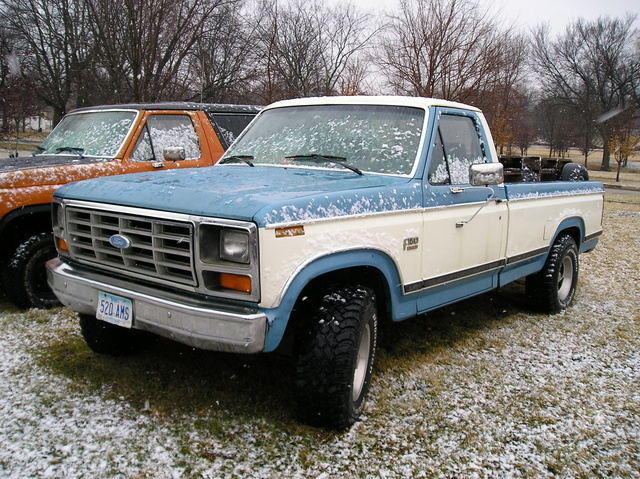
<point x="419" y="102"/>
<point x="178" y="105"/>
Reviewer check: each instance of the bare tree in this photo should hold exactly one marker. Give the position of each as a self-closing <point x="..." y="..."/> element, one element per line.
<point x="221" y="62"/>
<point x="592" y="68"/>
<point x="346" y="34"/>
<point x="8" y="69"/>
<point x="624" y="138"/>
<point x="353" y="80"/>
<point x="449" y="49"/>
<point x="506" y="96"/>
<point x="309" y="48"/>
<point x="143" y="43"/>
<point x="556" y="124"/>
<point x="54" y="46"/>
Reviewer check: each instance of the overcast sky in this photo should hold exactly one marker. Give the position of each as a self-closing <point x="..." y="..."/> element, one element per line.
<point x="530" y="13"/>
<point x="560" y="13"/>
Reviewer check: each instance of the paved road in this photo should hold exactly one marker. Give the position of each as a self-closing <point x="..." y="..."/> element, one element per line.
<point x="621" y="191"/>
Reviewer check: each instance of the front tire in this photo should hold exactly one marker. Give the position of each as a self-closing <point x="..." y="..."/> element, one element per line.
<point x="25" y="276"/>
<point x="336" y="357"/>
<point x="553" y="288"/>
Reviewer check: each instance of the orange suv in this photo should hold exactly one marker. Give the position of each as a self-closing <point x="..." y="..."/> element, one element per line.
<point x="92" y="142"/>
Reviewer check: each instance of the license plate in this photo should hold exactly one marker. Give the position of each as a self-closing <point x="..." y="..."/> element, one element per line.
<point x="115" y="309"/>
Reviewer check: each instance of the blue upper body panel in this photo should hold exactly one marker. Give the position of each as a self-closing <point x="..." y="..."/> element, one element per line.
<point x="266" y="195"/>
<point x="537" y="190"/>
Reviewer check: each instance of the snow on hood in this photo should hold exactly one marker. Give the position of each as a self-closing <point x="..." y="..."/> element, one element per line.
<point x="43" y="161"/>
<point x="41" y="170"/>
<point x="267" y="195"/>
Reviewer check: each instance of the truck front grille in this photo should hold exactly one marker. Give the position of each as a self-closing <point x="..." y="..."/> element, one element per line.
<point x="155" y="248"/>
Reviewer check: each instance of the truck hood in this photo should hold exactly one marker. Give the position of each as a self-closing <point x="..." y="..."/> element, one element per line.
<point x="43" y="161"/>
<point x="41" y="170"/>
<point x="266" y="195"/>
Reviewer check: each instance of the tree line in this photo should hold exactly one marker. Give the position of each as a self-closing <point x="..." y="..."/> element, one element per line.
<point x="576" y="89"/>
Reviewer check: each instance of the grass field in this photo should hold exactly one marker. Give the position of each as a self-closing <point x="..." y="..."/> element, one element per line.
<point x="484" y="388"/>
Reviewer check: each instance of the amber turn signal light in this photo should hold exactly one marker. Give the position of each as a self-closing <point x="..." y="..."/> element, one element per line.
<point x="235" y="282"/>
<point x="62" y="245"/>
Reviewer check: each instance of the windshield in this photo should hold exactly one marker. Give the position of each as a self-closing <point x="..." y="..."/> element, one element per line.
<point x="371" y="138"/>
<point x="96" y="134"/>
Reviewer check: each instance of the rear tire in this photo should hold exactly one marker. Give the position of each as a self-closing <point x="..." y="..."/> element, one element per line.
<point x="336" y="357"/>
<point x="25" y="275"/>
<point x="107" y="338"/>
<point x="553" y="288"/>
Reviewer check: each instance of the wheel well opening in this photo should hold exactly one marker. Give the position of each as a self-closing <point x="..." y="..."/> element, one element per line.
<point x="364" y="275"/>
<point x="23" y="224"/>
<point x="574" y="232"/>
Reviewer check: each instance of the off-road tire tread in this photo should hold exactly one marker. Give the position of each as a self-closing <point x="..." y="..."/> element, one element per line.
<point x="24" y="277"/>
<point x="574" y="172"/>
<point x="541" y="288"/>
<point x="326" y="361"/>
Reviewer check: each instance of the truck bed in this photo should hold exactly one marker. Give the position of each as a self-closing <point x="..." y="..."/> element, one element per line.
<point x="519" y="169"/>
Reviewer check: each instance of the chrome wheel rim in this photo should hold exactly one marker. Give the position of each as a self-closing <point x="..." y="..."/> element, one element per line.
<point x="362" y="363"/>
<point x="565" y="278"/>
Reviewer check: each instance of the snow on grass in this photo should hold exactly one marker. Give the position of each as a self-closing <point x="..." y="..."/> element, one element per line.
<point x="48" y="431"/>
<point x="480" y="389"/>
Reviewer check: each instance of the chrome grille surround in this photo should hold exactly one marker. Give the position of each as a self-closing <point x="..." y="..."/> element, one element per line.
<point x="160" y="247"/>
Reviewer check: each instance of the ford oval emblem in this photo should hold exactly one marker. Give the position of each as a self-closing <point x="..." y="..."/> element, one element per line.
<point x="120" y="241"/>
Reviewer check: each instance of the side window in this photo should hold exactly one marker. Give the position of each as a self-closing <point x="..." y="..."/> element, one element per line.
<point x="457" y="147"/>
<point x="229" y="125"/>
<point x="438" y="169"/>
<point x="163" y="131"/>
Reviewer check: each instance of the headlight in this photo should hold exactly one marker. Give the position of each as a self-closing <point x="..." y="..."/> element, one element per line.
<point x="229" y="263"/>
<point x="58" y="220"/>
<point x="57" y="217"/>
<point x="234" y="246"/>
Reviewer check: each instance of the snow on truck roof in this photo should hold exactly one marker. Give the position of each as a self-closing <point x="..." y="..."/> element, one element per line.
<point x="418" y="102"/>
<point x="178" y="105"/>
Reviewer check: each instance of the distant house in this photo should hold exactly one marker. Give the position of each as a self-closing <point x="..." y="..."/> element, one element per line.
<point x="41" y="122"/>
<point x="38" y="123"/>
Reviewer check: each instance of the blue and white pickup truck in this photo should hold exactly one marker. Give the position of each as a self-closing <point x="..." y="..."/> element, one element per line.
<point x="326" y="217"/>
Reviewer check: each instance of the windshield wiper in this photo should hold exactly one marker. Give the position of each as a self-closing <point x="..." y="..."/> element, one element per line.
<point x="72" y="149"/>
<point x="231" y="159"/>
<point x="38" y="151"/>
<point x="338" y="160"/>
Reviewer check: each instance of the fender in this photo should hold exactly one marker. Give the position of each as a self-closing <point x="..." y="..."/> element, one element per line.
<point x="402" y="306"/>
<point x="571" y="223"/>
<point x="585" y="243"/>
<point x="23" y="211"/>
<point x="534" y="261"/>
<point x="8" y="222"/>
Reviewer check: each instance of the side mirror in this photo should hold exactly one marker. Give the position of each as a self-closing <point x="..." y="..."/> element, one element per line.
<point x="484" y="174"/>
<point x="173" y="153"/>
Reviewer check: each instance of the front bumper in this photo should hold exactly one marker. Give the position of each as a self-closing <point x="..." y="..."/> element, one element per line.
<point x="195" y="323"/>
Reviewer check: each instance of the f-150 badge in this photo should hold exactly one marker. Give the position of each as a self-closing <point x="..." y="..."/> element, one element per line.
<point x="411" y="243"/>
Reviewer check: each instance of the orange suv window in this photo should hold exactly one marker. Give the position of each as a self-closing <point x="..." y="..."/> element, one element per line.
<point x="164" y="131"/>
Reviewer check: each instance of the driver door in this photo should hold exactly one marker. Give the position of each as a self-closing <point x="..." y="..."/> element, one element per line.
<point x="464" y="225"/>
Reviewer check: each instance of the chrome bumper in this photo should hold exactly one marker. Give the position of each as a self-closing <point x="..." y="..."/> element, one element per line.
<point x="196" y="324"/>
